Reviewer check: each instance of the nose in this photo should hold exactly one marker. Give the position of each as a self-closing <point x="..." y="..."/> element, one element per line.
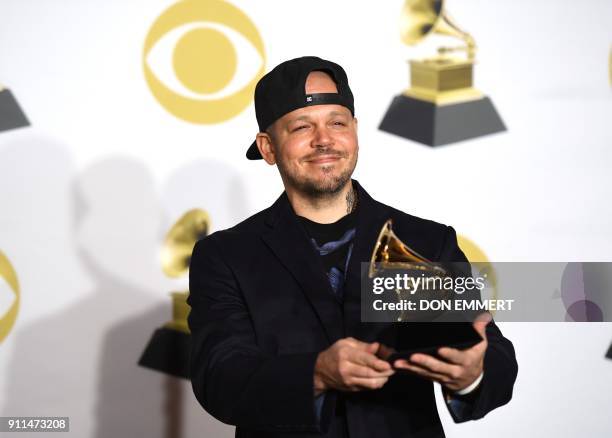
<point x="322" y="137"/>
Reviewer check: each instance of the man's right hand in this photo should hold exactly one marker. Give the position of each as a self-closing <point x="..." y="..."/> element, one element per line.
<point x="350" y="365"/>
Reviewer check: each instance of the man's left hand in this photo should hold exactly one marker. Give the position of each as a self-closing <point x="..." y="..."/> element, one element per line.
<point x="459" y="369"/>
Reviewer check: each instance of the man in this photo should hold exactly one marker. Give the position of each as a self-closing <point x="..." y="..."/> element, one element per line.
<point x="278" y="346"/>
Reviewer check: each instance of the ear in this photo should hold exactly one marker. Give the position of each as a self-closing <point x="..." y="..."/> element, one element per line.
<point x="264" y="144"/>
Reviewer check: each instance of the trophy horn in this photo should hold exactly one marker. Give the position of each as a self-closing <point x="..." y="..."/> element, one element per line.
<point x="391" y="253"/>
<point x="423" y="17"/>
<point x="176" y="256"/>
<point x="181" y="238"/>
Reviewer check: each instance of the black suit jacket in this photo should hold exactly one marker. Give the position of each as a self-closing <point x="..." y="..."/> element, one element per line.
<point x="262" y="309"/>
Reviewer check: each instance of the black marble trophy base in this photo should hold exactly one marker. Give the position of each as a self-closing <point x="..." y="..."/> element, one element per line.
<point x="436" y="125"/>
<point x="11" y="115"/>
<point x="168" y="352"/>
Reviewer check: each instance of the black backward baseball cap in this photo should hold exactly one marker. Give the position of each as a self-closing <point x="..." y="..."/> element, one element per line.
<point x="283" y="90"/>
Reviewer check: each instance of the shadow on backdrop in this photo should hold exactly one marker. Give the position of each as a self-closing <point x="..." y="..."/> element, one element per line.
<point x="93" y="240"/>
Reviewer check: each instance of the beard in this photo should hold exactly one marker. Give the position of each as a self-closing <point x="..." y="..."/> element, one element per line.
<point x="318" y="188"/>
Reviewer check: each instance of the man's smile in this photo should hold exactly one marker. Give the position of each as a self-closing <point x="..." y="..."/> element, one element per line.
<point x="324" y="159"/>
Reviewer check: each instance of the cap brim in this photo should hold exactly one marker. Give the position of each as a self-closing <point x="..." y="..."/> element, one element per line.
<point x="253" y="152"/>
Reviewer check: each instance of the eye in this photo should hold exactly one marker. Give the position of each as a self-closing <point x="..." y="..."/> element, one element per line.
<point x="297" y="128"/>
<point x="202" y="60"/>
<point x="183" y="59"/>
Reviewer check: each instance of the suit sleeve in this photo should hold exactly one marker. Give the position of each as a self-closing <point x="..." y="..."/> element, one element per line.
<point x="500" y="365"/>
<point x="232" y="378"/>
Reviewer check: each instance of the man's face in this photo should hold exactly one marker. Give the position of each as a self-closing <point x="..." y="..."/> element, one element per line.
<point x="315" y="147"/>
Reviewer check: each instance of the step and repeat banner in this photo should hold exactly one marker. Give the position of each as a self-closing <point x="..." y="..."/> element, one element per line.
<point x="123" y="133"/>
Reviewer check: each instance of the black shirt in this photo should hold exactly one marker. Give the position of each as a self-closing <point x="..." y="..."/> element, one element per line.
<point x="334" y="242"/>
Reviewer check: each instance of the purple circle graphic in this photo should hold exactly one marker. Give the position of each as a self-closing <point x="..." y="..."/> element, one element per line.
<point x="584" y="311"/>
<point x="572" y="284"/>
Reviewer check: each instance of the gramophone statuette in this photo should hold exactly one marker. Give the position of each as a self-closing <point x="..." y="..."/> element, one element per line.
<point x="441" y="105"/>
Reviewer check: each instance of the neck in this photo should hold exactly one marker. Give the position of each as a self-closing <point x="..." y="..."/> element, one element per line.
<point x="326" y="209"/>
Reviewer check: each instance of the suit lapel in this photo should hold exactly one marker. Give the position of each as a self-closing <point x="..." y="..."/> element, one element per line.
<point x="371" y="216"/>
<point x="289" y="242"/>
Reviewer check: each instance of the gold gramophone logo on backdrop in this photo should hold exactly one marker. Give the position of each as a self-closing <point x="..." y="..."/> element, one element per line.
<point x="11" y="114"/>
<point x="201" y="77"/>
<point x="176" y="256"/>
<point x="168" y="349"/>
<point x="441" y="106"/>
<point x="9" y="277"/>
<point x="479" y="259"/>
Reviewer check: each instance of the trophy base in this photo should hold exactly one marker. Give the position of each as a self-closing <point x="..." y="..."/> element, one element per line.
<point x="168" y="351"/>
<point x="11" y="115"/>
<point x="435" y="125"/>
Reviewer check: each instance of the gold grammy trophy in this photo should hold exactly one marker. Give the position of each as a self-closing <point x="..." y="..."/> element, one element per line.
<point x="441" y="106"/>
<point x="11" y="114"/>
<point x="391" y="255"/>
<point x="168" y="349"/>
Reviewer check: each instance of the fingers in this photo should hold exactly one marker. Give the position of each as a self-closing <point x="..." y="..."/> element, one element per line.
<point x="356" y="343"/>
<point x="368" y="347"/>
<point x="358" y="383"/>
<point x="481" y="322"/>
<point x="423" y="372"/>
<point x="370" y="360"/>
<point x="358" y="367"/>
<point x="363" y="353"/>
<point x="354" y="377"/>
<point x="351" y="369"/>
<point x="484" y="317"/>
<point x="430" y="364"/>
<point x="435" y="365"/>
<point x="478" y="350"/>
<point x="373" y="347"/>
<point x="385" y="352"/>
<point x="453" y="355"/>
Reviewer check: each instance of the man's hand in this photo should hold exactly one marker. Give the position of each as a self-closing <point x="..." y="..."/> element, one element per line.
<point x="350" y="365"/>
<point x="459" y="369"/>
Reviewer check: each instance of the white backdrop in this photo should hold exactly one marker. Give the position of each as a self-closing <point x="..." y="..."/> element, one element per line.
<point x="89" y="190"/>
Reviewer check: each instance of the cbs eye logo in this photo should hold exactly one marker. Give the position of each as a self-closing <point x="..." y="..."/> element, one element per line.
<point x="8" y="277"/>
<point x="200" y="76"/>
